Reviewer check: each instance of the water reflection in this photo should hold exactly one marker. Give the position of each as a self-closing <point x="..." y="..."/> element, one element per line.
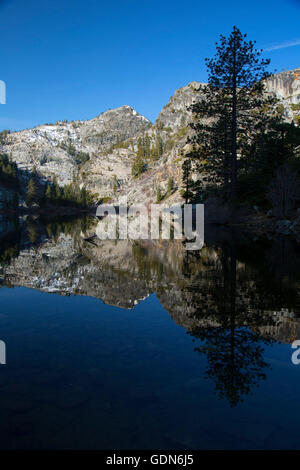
<point x="234" y="297"/>
<point x="230" y="336"/>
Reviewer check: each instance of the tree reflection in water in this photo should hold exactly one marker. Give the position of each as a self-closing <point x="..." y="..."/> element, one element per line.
<point x="234" y="348"/>
<point x="234" y="332"/>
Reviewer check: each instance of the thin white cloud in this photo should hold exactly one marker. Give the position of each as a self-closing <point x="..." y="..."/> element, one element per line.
<point x="283" y="45"/>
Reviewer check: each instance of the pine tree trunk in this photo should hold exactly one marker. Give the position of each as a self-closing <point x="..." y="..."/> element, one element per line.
<point x="226" y="160"/>
<point x="233" y="151"/>
<point x="234" y="133"/>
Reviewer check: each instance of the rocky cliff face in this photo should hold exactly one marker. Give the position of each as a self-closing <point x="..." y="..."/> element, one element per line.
<point x="175" y="114"/>
<point x="286" y="85"/>
<point x="56" y="150"/>
<point x="100" y="151"/>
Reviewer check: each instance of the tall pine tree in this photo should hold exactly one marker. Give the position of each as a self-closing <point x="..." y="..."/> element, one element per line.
<point x="234" y="93"/>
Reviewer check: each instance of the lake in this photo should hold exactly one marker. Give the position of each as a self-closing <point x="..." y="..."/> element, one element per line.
<point x="144" y="345"/>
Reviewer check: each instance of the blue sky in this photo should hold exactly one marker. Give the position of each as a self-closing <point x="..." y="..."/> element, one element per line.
<point x="72" y="59"/>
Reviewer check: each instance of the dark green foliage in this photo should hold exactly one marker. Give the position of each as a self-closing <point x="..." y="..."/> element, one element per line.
<point x="138" y="166"/>
<point x="81" y="158"/>
<point x="37" y="192"/>
<point x="157" y="148"/>
<point x="187" y="181"/>
<point x="31" y="193"/>
<point x="67" y="225"/>
<point x="71" y="150"/>
<point x="48" y="193"/>
<point x="159" y="194"/>
<point x="115" y="183"/>
<point x="140" y="149"/>
<point x="120" y="144"/>
<point x="3" y="136"/>
<point x="274" y="144"/>
<point x="171" y="186"/>
<point x="267" y="153"/>
<point x="144" y="147"/>
<point x="283" y="191"/>
<point x="211" y="150"/>
<point x="147" y="146"/>
<point x="8" y="172"/>
<point x="146" y="151"/>
<point x="70" y="195"/>
<point x="296" y="109"/>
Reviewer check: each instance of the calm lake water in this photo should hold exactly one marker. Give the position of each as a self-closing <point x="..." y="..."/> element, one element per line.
<point x="143" y="345"/>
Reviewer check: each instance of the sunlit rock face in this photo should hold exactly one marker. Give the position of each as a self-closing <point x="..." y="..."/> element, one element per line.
<point x="176" y="113"/>
<point x="54" y="149"/>
<point x="286" y="86"/>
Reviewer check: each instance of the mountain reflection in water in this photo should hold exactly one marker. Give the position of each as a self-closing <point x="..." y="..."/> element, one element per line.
<point x="235" y="299"/>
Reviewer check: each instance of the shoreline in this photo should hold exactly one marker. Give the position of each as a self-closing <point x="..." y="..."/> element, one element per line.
<point x="52" y="211"/>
